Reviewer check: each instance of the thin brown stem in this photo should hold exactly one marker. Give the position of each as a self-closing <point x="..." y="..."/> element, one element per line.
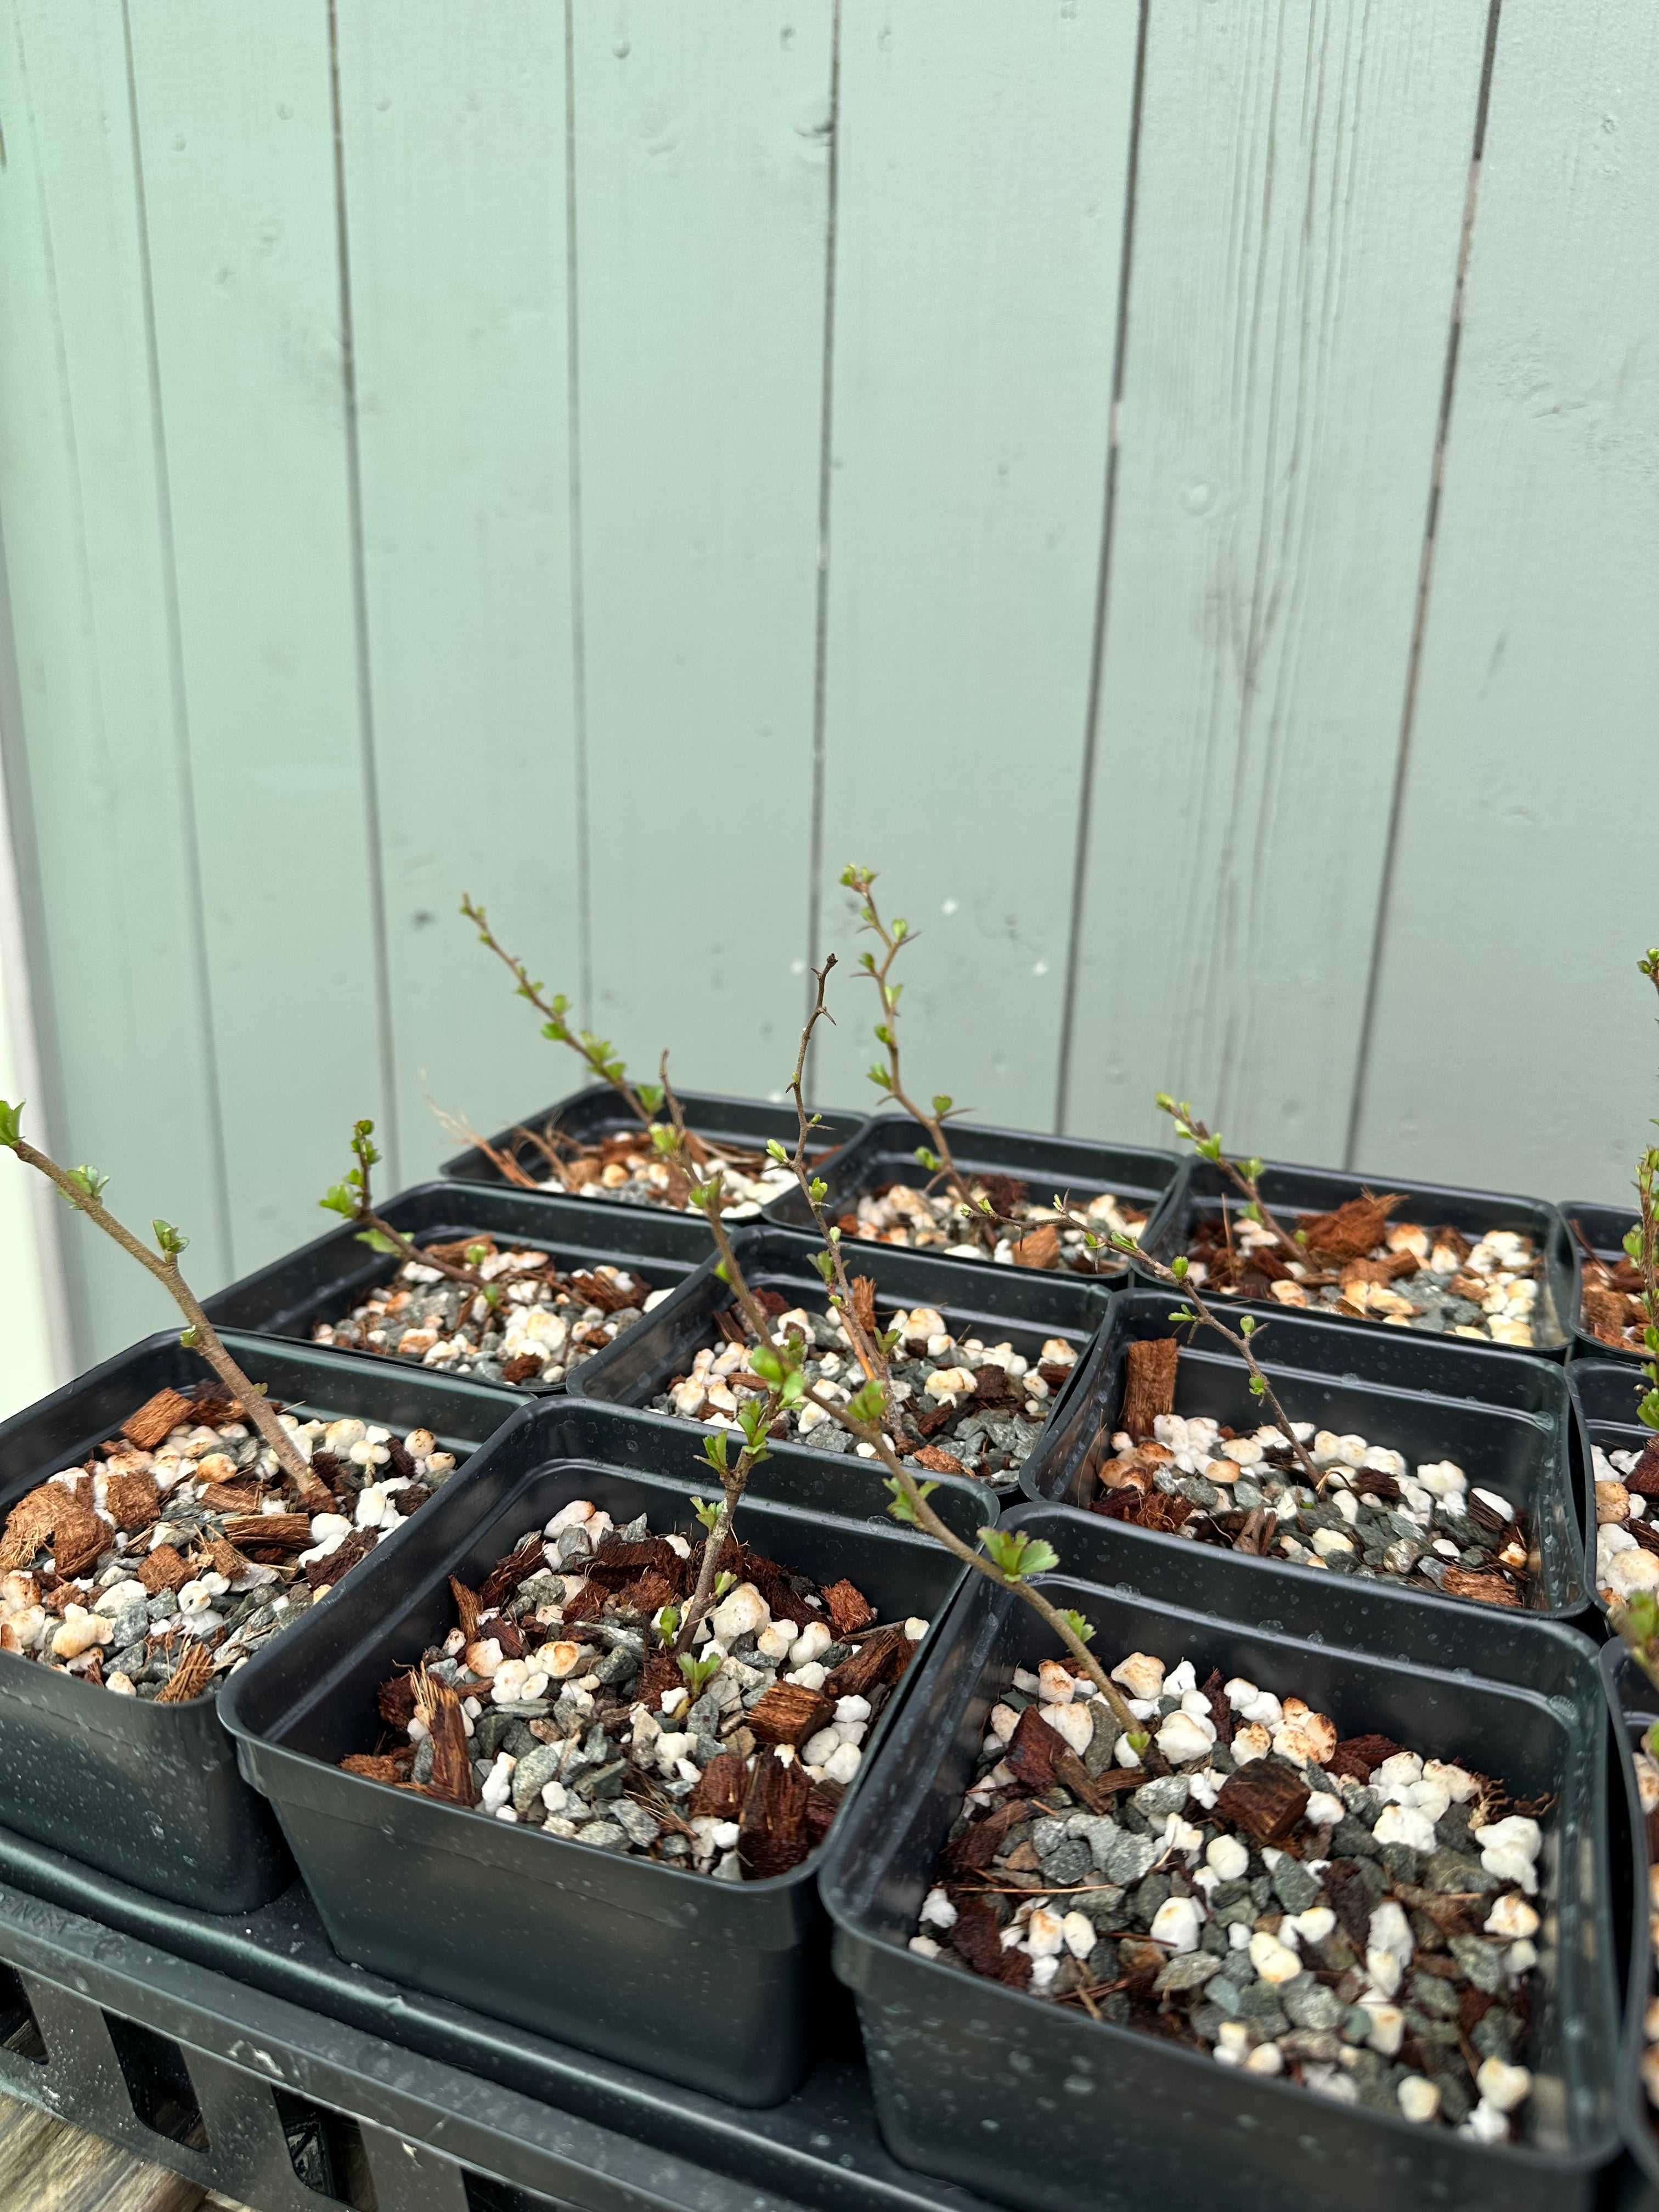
<point x="200" y="1333"/>
<point x="1249" y="1185"/>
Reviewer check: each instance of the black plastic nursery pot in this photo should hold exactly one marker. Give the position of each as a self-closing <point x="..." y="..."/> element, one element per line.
<point x="1022" y="1305"/>
<point x="1507" y="1420"/>
<point x="592" y="1115"/>
<point x="1289" y="1190"/>
<point x="885" y="1151"/>
<point x="1604" y="1393"/>
<point x="322" y="1281"/>
<point x="708" y="1982"/>
<point x="151" y="1792"/>
<point x="1634" y="1705"/>
<point x="1603" y="1228"/>
<point x="1046" y="2109"/>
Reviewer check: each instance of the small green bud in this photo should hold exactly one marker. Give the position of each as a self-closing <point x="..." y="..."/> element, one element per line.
<point x="1083" y="1630"/>
<point x="775" y="1151"/>
<point x="11" y="1121"/>
<point x="707" y="1511"/>
<point x="723" y="1582"/>
<point x="168" y="1238"/>
<point x="868" y="1404"/>
<point x="900" y="1507"/>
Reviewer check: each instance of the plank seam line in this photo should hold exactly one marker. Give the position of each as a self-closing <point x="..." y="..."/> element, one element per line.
<point x="573" y="493"/>
<point x="359" y="617"/>
<point x="1097" y="641"/>
<point x="821" y="601"/>
<point x="219" y="1164"/>
<point x="1419" y="614"/>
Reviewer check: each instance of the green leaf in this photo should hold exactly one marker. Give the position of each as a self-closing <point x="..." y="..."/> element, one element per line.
<point x="650" y="1096"/>
<point x="1178" y="1266"/>
<point x="1250" y="1213"/>
<point x="187" y="1337"/>
<point x="1648" y="1412"/>
<point x="338" y="1199"/>
<point x="1164" y="1103"/>
<point x="723" y="1582"/>
<point x="1247" y="1324"/>
<point x="775" y="1151"/>
<point x="88" y="1180"/>
<point x="868" y="1404"/>
<point x="666" y="1139"/>
<point x="881" y="1079"/>
<point x="751" y="1419"/>
<point x="764" y="1361"/>
<point x="794" y="1387"/>
<point x="1258" y="1385"/>
<point x="818" y="1190"/>
<point x="900" y="1507"/>
<point x="705" y="1510"/>
<point x="723" y="1274"/>
<point x="942" y="1102"/>
<point x="929" y="1160"/>
<point x="376" y="1239"/>
<point x="1209" y="1148"/>
<point x="168" y="1238"/>
<point x="1633" y="1242"/>
<point x="1251" y="1171"/>
<point x="714" y="1450"/>
<point x="1016" y="1555"/>
<point x="901" y="927"/>
<point x="1083" y="1630"/>
<point x="698" y="1673"/>
<point x="668" y="1625"/>
<point x="825" y="1265"/>
<point x="10" y="1118"/>
<point x="475" y="1255"/>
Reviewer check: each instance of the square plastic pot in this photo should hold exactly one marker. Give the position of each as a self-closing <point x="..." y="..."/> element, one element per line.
<point x="148" y="1792"/>
<point x="1604" y="1393"/>
<point x="592" y="1115"/>
<point x="1049" y="2110"/>
<point x="885" y="1151"/>
<point x="1289" y="1191"/>
<point x="1023" y="1305"/>
<point x="324" y="1280"/>
<point x="1604" y="1227"/>
<point x="1507" y="1421"/>
<point x="708" y="1982"/>
<point x="1633" y="1704"/>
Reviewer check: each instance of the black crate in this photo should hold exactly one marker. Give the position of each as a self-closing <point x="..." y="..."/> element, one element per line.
<point x="1604" y="1393"/>
<point x="322" y="1281"/>
<point x="110" y="1779"/>
<point x="1633" y="1703"/>
<point x="1507" y="1419"/>
<point x="1074" y="1168"/>
<point x="624" y="1955"/>
<point x="1289" y="1190"/>
<point x="241" y="2053"/>
<point x="1021" y="1304"/>
<point x="1053" y="2113"/>
<point x="591" y="1114"/>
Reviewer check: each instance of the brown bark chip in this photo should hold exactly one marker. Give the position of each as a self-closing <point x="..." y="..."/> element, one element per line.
<point x="28" y="1526"/>
<point x="395" y="1701"/>
<point x="1643" y="1476"/>
<point x="720" y="1789"/>
<point x="322" y="1574"/>
<point x="501" y="1581"/>
<point x="288" y="1532"/>
<point x="772" y="1836"/>
<point x="849" y="1610"/>
<point x="232" y="1497"/>
<point x="1489" y="1588"/>
<point x="162" y="1569"/>
<point x="976" y="1847"/>
<point x="1353" y="1230"/>
<point x="452" y="1777"/>
<point x="188" y="1678"/>
<point x="938" y="1462"/>
<point x="466" y="1608"/>
<point x="1356" y="1755"/>
<point x="1039" y="1249"/>
<point x="133" y="1500"/>
<point x="393" y="1768"/>
<point x="822" y="1803"/>
<point x="864" y="1305"/>
<point x="523" y="1367"/>
<point x="1349" y="1899"/>
<point x="78" y="1537"/>
<point x="880" y="1659"/>
<point x="789" y="1712"/>
<point x="978" y="1937"/>
<point x="1032" y="1750"/>
<point x="157" y="1418"/>
<point x="227" y="1559"/>
<point x="1149" y="1385"/>
<point x="1266" y="1800"/>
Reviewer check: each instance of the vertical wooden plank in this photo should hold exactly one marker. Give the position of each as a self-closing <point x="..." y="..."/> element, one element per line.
<point x="1513" y="1042"/>
<point x="236" y="118"/>
<point x="1302" y="178"/>
<point x="983" y="166"/>
<point x="95" y="739"/>
<point x="701" y="157"/>
<point x="454" y="138"/>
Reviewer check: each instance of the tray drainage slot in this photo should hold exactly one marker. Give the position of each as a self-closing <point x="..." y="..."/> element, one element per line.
<point x="325" y="2149"/>
<point x="19" y="2032"/>
<point x="483" y="2195"/>
<point x="158" y="2081"/>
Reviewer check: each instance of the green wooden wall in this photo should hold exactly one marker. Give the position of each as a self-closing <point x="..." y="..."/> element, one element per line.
<point x="1175" y="486"/>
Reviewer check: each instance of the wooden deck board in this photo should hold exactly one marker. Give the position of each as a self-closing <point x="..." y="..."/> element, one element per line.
<point x="47" y="2166"/>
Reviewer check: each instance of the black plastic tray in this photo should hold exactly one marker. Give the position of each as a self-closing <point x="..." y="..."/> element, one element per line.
<point x="1410" y="1393"/>
<point x="1604" y="1393"/>
<point x="1045" y="2109"/>
<point x="885" y="1151"/>
<point x="151" y="1792"/>
<point x="242" y="2053"/>
<point x="324" y="1280"/>
<point x="1634" y="1705"/>
<point x="1022" y="1304"/>
<point x="1604" y="1227"/>
<point x="708" y="1982"/>
<point x="596" y="1113"/>
<point x="1290" y="1190"/>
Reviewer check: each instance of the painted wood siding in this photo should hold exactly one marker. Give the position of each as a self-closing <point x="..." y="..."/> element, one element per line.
<point x="1173" y="486"/>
